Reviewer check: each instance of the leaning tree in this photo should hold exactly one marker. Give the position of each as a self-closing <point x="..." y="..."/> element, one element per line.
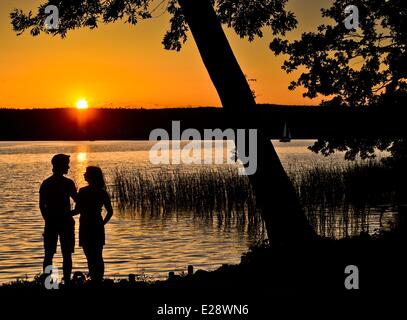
<point x="354" y="68"/>
<point x="284" y="218"/>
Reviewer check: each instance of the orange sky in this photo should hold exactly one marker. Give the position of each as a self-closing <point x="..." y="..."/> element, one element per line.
<point x="119" y="65"/>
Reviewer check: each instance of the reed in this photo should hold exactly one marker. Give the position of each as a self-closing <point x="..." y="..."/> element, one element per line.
<point x="333" y="197"/>
<point x="208" y="191"/>
<point x="344" y="196"/>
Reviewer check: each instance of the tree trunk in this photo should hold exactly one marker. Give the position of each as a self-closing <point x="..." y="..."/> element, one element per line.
<point x="275" y="195"/>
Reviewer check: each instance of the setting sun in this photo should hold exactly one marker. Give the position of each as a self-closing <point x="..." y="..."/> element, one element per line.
<point x="82" y="104"/>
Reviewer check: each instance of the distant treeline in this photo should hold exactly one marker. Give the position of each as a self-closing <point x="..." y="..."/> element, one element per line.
<point x="136" y="124"/>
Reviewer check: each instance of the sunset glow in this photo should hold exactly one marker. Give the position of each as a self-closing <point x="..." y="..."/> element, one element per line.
<point x="82" y="104"/>
<point x="137" y="73"/>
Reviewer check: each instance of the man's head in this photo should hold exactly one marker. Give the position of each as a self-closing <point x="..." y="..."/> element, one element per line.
<point x="60" y="164"/>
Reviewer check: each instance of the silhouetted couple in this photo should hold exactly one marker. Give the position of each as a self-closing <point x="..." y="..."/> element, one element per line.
<point x="55" y="206"/>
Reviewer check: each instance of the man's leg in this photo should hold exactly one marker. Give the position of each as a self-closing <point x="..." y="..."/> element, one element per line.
<point x="50" y="245"/>
<point x="67" y="238"/>
<point x="48" y="257"/>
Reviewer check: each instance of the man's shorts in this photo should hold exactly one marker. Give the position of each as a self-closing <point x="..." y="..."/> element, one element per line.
<point x="65" y="229"/>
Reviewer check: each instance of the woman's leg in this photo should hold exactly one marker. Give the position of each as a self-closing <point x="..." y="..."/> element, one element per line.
<point x="90" y="257"/>
<point x="99" y="264"/>
<point x="67" y="266"/>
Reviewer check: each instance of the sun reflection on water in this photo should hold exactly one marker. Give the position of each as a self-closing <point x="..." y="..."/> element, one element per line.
<point x="82" y="157"/>
<point x="82" y="161"/>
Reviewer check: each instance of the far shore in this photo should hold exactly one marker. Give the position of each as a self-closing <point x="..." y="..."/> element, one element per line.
<point x="304" y="122"/>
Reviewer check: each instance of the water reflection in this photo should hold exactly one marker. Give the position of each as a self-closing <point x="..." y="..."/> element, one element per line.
<point x="81" y="156"/>
<point x="136" y="242"/>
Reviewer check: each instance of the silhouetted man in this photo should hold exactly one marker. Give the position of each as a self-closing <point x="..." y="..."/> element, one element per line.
<point x="55" y="206"/>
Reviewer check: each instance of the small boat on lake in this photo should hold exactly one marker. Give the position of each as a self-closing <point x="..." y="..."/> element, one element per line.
<point x="286" y="135"/>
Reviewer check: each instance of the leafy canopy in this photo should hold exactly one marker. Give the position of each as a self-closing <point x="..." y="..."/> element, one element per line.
<point x="248" y="18"/>
<point x="352" y="67"/>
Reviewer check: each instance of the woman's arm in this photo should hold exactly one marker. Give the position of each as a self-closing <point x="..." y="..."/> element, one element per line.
<point x="77" y="209"/>
<point x="108" y="206"/>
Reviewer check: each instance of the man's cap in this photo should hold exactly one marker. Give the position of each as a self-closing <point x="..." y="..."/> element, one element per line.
<point x="60" y="159"/>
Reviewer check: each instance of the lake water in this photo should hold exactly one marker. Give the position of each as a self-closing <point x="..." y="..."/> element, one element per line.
<point x="151" y="245"/>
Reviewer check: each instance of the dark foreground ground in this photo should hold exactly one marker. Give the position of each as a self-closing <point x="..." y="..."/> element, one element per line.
<point x="285" y="279"/>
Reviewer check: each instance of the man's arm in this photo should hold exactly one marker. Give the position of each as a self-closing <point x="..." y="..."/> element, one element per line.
<point x="43" y="206"/>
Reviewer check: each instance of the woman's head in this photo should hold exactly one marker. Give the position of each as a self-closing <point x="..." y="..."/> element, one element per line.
<point x="94" y="176"/>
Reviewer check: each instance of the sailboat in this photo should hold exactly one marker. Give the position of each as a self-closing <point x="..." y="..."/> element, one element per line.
<point x="286" y="134"/>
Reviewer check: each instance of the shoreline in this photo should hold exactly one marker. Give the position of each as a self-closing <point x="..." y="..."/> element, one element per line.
<point x="308" y="267"/>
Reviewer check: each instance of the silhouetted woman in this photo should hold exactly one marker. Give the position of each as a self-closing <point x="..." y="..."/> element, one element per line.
<point x="91" y="200"/>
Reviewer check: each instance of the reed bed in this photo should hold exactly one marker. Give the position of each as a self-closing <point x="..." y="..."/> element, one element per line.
<point x="333" y="197"/>
<point x="344" y="197"/>
<point x="207" y="192"/>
